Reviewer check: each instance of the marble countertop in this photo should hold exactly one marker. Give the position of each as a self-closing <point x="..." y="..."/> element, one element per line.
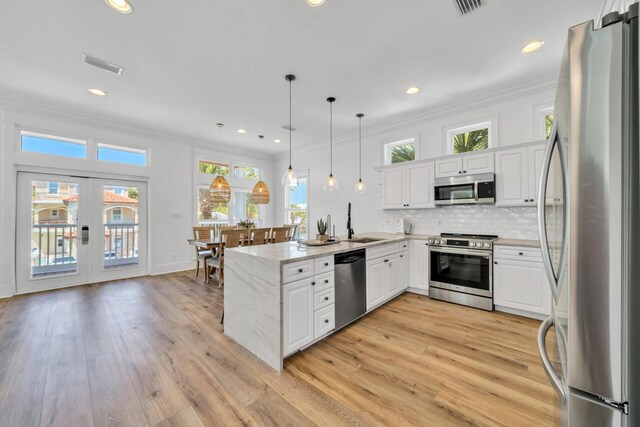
<point x="517" y="242"/>
<point x="292" y="252"/>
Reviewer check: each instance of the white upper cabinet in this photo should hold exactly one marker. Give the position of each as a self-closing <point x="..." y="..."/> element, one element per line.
<point x="409" y="187"/>
<point x="449" y="167"/>
<point x="465" y="164"/>
<point x="518" y="176"/>
<point x="394" y="188"/>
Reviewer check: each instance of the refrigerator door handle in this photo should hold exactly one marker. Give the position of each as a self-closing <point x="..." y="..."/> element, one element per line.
<point x="542" y="223"/>
<point x="548" y="367"/>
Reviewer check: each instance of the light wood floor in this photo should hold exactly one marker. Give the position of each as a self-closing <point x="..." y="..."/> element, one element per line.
<point x="151" y="351"/>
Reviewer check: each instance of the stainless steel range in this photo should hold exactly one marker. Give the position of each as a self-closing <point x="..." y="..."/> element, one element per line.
<point x="461" y="269"/>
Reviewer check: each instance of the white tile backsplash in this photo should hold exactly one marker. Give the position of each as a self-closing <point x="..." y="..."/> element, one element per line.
<point x="507" y="223"/>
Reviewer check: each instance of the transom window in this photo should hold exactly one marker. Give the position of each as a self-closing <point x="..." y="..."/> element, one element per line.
<point x="116" y="154"/>
<point x="547" y="114"/>
<point x="54" y="145"/>
<point x="213" y="168"/>
<point x="400" y="151"/>
<point x="473" y="137"/>
<point x="243" y="172"/>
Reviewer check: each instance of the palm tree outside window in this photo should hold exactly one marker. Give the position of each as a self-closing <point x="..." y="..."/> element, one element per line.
<point x="470" y="138"/>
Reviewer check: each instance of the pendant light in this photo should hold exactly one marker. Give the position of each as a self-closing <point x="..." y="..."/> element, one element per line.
<point x="260" y="194"/>
<point x="331" y="184"/>
<point x="219" y="190"/>
<point x="360" y="187"/>
<point x="290" y="179"/>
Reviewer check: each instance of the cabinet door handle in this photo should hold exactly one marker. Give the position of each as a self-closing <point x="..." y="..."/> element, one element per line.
<point x="326" y="320"/>
<point x="386" y="260"/>
<point x="300" y="270"/>
<point x="460" y="172"/>
<point x="531" y="200"/>
<point x="326" y="281"/>
<point x="326" y="298"/>
<point x="401" y="256"/>
<point x="313" y="283"/>
<point x="520" y="253"/>
<point x="526" y="200"/>
<point x="495" y="262"/>
<point x="464" y="171"/>
<point x="326" y="264"/>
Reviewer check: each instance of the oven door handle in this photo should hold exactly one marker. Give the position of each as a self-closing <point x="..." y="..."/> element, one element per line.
<point x="475" y="190"/>
<point x="461" y="251"/>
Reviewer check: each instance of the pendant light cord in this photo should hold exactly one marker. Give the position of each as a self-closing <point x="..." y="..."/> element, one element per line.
<point x="290" y="108"/>
<point x="360" y="147"/>
<point x="331" y="137"/>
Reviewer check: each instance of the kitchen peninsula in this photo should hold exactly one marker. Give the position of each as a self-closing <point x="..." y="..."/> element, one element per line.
<point x="280" y="298"/>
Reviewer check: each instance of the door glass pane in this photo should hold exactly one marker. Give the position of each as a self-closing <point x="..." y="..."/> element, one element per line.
<point x="209" y="212"/>
<point x="121" y="227"/>
<point x="54" y="228"/>
<point x="554" y="210"/>
<point x="244" y="209"/>
<point x="297" y="208"/>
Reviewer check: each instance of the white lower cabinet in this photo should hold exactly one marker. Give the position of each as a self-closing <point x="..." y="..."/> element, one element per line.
<point x="297" y="300"/>
<point x="308" y="305"/>
<point x="387" y="275"/>
<point x="419" y="265"/>
<point x="403" y="270"/>
<point x="376" y="282"/>
<point x="520" y="283"/>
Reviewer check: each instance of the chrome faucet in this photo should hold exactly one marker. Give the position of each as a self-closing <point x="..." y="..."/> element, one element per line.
<point x="329" y="226"/>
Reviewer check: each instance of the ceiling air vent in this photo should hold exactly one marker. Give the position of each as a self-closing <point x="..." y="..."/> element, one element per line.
<point x="104" y="65"/>
<point x="467" y="6"/>
<point x="287" y="128"/>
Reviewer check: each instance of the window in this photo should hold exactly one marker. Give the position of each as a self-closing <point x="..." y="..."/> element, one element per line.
<point x="209" y="212"/>
<point x="547" y="114"/>
<point x="116" y="215"/>
<point x="54" y="213"/>
<point x="54" y="187"/>
<point x="469" y="138"/>
<point x="118" y="190"/>
<point x="57" y="146"/>
<point x="213" y="168"/>
<point x="244" y="209"/>
<point x="129" y="156"/>
<point x="400" y="151"/>
<point x="296" y="208"/>
<point x="246" y="173"/>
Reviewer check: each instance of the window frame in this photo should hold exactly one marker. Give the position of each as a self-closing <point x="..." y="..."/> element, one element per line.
<point x="124" y="148"/>
<point x="539" y="112"/>
<point x="490" y="123"/>
<point x="388" y="144"/>
<point x="216" y="163"/>
<point x="245" y="166"/>
<point x="45" y="135"/>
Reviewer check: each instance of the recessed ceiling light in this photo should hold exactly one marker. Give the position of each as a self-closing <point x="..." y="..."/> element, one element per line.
<point x="413" y="90"/>
<point x="242" y="131"/>
<point x="122" y="6"/>
<point x="315" y="2"/>
<point x="97" y="92"/>
<point x="532" y="46"/>
<point x="277" y="141"/>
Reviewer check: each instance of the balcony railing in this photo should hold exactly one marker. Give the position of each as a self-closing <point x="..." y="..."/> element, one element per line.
<point x="121" y="245"/>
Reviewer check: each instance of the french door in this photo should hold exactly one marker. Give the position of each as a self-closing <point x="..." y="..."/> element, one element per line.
<point x="75" y="230"/>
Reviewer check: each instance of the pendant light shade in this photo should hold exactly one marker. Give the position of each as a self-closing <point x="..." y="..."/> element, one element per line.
<point x="360" y="187"/>
<point x="331" y="184"/>
<point x="260" y="194"/>
<point x="289" y="178"/>
<point x="219" y="191"/>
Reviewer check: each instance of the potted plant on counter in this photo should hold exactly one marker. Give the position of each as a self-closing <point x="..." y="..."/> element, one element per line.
<point x="322" y="231"/>
<point x="247" y="223"/>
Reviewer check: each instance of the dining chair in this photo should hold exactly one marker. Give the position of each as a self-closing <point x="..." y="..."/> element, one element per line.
<point x="202" y="255"/>
<point x="228" y="239"/>
<point x="292" y="233"/>
<point x="280" y="234"/>
<point x="259" y="236"/>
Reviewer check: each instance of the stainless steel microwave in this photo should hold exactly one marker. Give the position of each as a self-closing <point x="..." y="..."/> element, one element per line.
<point x="465" y="190"/>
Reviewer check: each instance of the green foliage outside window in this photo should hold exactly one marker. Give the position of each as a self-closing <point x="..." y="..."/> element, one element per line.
<point x="213" y="168"/>
<point x="403" y="153"/>
<point x="548" y="124"/>
<point x="471" y="141"/>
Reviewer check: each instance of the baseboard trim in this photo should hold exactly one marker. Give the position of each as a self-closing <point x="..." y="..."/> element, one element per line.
<point x="173" y="268"/>
<point x="521" y="313"/>
<point x="418" y="291"/>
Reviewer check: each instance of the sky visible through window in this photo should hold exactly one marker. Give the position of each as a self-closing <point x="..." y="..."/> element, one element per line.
<point x="37" y="144"/>
<point x="298" y="195"/>
<point x="109" y="154"/>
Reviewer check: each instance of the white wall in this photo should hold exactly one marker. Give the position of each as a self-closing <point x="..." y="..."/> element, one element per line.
<point x="517" y="122"/>
<point x="170" y="177"/>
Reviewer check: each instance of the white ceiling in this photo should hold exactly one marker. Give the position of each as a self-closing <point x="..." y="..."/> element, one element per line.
<point x="190" y="64"/>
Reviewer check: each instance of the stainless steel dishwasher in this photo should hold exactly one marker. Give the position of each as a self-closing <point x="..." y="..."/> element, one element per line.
<point x="351" y="286"/>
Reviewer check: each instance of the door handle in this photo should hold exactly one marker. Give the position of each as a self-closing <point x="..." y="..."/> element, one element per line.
<point x="556" y="382"/>
<point x="542" y="225"/>
<point x="85" y="235"/>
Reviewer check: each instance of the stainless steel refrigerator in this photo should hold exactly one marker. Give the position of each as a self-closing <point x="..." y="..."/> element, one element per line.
<point x="589" y="225"/>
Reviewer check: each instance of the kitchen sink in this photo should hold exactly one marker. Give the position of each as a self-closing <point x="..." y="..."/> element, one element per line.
<point x="365" y="240"/>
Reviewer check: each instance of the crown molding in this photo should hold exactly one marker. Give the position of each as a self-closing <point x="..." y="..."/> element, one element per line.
<point x="439" y="111"/>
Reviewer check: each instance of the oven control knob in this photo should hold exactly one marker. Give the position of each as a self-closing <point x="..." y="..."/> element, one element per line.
<point x="437" y="242"/>
<point x="430" y="242"/>
<point x="487" y="245"/>
<point x="472" y="244"/>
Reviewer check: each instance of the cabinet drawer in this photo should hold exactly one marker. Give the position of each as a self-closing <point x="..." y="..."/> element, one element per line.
<point x="322" y="265"/>
<point x="297" y="271"/>
<point x="324" y="281"/>
<point x="384" y="250"/>
<point x="324" y="298"/>
<point x="325" y="321"/>
<point x="518" y="253"/>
